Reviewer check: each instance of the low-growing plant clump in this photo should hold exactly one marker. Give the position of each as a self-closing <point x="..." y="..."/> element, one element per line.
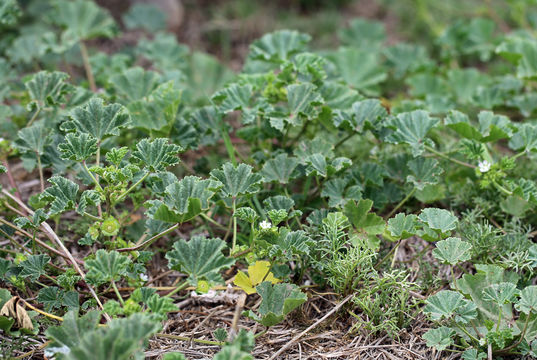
<point x="374" y="191"/>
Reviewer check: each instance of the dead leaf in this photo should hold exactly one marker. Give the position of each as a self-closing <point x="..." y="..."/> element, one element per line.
<point x="13" y="308"/>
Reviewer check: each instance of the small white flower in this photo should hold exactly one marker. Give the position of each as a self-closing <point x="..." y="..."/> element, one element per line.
<point x="265" y="225"/>
<point x="484" y="166"/>
<point x="144" y="277"/>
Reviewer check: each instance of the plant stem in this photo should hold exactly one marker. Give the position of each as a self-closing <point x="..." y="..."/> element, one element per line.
<point x="87" y="66"/>
<point x="208" y="218"/>
<point x="387" y="255"/>
<point x="401" y="203"/>
<point x="499" y="318"/>
<point x="234" y="241"/>
<point x="119" y="297"/>
<point x="229" y="146"/>
<point x="92" y="177"/>
<point x="151" y="240"/>
<point x="177" y="289"/>
<point x="131" y="188"/>
<point x="40" y="168"/>
<point x="502" y="189"/>
<point x="340" y="142"/>
<point x="93" y="217"/>
<point x="36" y="113"/>
<point x="442" y="155"/>
<point x="11" y="179"/>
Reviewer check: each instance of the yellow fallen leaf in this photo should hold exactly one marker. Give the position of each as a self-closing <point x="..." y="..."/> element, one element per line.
<point x="257" y="273"/>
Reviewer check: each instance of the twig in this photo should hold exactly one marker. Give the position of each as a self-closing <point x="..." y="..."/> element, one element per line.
<point x="11" y="179"/>
<point x="52" y="236"/>
<point x="295" y="339"/>
<point x="238" y="309"/>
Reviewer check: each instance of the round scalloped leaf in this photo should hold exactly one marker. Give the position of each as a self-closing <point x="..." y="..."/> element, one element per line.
<point x="78" y="147"/>
<point x="200" y="258"/>
<point x="440" y="338"/>
<point x="439" y="219"/>
<point x="239" y="180"/>
<point x="452" y="251"/>
<point x="528" y="300"/>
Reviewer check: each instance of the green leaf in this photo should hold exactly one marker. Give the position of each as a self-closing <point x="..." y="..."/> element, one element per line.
<point x="365" y="77"/>
<point x="175" y="355"/>
<point x="200" y="258"/>
<point x="447" y="304"/>
<point x="145" y="16"/>
<point x="502" y="293"/>
<point x="528" y="300"/>
<point x="158" y="110"/>
<point x="73" y="329"/>
<point x="339" y="193"/>
<point x="156" y="154"/>
<point x="97" y="120"/>
<point x="439" y="219"/>
<point x="135" y="83"/>
<point x="106" y="267"/>
<point x="122" y="339"/>
<point x="184" y="199"/>
<point x="523" y="52"/>
<point x="367" y="114"/>
<point x="9" y="12"/>
<point x="425" y="171"/>
<point x="280" y="169"/>
<point x="278" y="300"/>
<point x="473" y="354"/>
<point x="452" y="251"/>
<point x="302" y="100"/>
<point x="525" y="139"/>
<point x="465" y="82"/>
<point x="474" y="286"/>
<point x="232" y="353"/>
<point x="278" y="46"/>
<point x="369" y="224"/>
<point x="83" y="19"/>
<point x="161" y="306"/>
<point x="403" y="226"/>
<point x="440" y="338"/>
<point x="47" y="89"/>
<point x="239" y="180"/>
<point x="363" y="33"/>
<point x="33" y="138"/>
<point x="279" y="202"/>
<point x="61" y="195"/>
<point x="411" y="128"/>
<point x="405" y="58"/>
<point x="246" y="214"/>
<point x="34" y="266"/>
<point x="291" y="244"/>
<point x="78" y="147"/>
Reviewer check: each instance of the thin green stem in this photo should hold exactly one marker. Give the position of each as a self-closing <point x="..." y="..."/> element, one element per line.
<point x="119" y="297"/>
<point x="229" y="147"/>
<point x="93" y="217"/>
<point x="151" y="240"/>
<point x="502" y="189"/>
<point x="122" y="196"/>
<point x="91" y="175"/>
<point x="177" y="289"/>
<point x="401" y="203"/>
<point x="36" y="113"/>
<point x="340" y="142"/>
<point x="208" y="218"/>
<point x="467" y="333"/>
<point x="499" y="318"/>
<point x="260" y="333"/>
<point x="87" y="66"/>
<point x="40" y="169"/>
<point x="444" y="156"/>
<point x="234" y="241"/>
<point x="14" y="242"/>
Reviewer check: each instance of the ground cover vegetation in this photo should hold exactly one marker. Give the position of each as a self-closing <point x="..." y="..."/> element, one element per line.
<point x="374" y="190"/>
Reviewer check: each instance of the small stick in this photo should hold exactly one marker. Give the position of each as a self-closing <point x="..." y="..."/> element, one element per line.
<point x="52" y="236"/>
<point x="295" y="339"/>
<point x="238" y="309"/>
